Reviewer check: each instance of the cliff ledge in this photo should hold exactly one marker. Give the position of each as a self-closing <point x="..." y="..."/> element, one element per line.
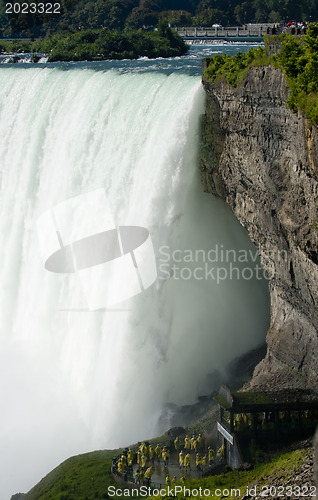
<point x="262" y="159"/>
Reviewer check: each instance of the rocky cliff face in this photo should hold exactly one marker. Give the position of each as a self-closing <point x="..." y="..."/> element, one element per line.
<point x="263" y="160"/>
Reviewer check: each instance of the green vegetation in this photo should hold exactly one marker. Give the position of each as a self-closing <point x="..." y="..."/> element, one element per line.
<point x="298" y="58"/>
<point x="87" y="477"/>
<point x="83" y="477"/>
<point x="95" y="45"/>
<point x="222" y="401"/>
<point x="135" y="14"/>
<point x="283" y="467"/>
<point x="234" y="69"/>
<point x="250" y="398"/>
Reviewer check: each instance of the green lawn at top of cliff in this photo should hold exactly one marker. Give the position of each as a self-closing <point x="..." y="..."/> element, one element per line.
<point x="100" y="44"/>
<point x="234" y="69"/>
<point x="298" y="59"/>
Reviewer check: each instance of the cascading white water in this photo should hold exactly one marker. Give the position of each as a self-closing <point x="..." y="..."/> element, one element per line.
<point x="72" y="381"/>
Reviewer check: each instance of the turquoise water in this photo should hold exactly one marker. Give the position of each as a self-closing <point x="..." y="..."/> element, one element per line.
<point x="190" y="63"/>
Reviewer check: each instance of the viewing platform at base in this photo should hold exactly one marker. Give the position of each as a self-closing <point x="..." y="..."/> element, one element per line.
<point x="168" y="465"/>
<point x="262" y="419"/>
<point x="160" y="472"/>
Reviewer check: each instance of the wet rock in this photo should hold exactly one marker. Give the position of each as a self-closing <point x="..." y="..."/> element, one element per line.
<point x="262" y="159"/>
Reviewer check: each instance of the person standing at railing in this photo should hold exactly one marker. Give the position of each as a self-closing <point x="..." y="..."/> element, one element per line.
<point x="120" y="466"/>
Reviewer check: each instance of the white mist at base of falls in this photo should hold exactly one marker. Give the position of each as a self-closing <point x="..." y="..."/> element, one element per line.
<point x="73" y="381"/>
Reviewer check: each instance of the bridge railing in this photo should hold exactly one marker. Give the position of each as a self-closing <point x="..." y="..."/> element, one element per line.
<point x="231" y="31"/>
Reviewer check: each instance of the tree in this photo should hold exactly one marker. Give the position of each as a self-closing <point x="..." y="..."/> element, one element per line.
<point x="176" y="17"/>
<point x="243" y="13"/>
<point x="140" y="18"/>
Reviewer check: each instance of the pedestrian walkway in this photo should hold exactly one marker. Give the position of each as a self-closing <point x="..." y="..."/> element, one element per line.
<point x="164" y="466"/>
<point x="159" y="471"/>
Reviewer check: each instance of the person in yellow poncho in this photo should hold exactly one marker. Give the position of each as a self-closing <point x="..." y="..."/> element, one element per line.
<point x="158" y="452"/>
<point x="151" y="453"/>
<point x="130" y="456"/>
<point x="187" y="461"/>
<point x="199" y="445"/>
<point x="187" y="443"/>
<point x="220" y="451"/>
<point x="177" y="443"/>
<point x="148" y="473"/>
<point x="143" y="448"/>
<point x="168" y="480"/>
<point x="124" y="461"/>
<point x="165" y="455"/>
<point x="210" y="455"/>
<point x="143" y="461"/>
<point x="193" y="442"/>
<point x="181" y="459"/>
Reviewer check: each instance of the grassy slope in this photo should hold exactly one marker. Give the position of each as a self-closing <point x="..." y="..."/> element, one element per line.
<point x="280" y="468"/>
<point x="78" y="478"/>
<point x="87" y="477"/>
<point x="83" y="477"/>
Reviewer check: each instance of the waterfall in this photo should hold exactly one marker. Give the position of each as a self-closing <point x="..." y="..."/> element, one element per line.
<point x="75" y="379"/>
